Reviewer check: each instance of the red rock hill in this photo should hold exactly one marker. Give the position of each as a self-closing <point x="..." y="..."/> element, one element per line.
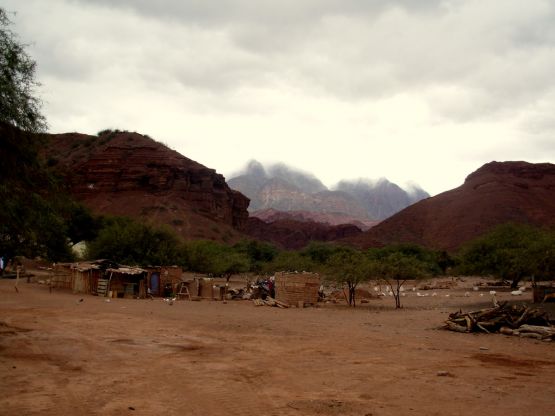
<point x="293" y="234"/>
<point x="497" y="193"/>
<point x="124" y="173"/>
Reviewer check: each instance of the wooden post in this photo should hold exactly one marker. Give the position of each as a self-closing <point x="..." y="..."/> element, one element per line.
<point x="18" y="268"/>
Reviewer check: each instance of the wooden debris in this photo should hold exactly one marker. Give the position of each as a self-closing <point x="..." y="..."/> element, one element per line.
<point x="519" y="320"/>
<point x="270" y="302"/>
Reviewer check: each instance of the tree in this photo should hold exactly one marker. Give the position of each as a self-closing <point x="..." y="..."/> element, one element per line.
<point x="258" y="253"/>
<point x="127" y="241"/>
<point x="320" y="252"/>
<point x="510" y="252"/>
<point x="396" y="268"/>
<point x="34" y="203"/>
<point x="348" y="267"/>
<point x="216" y="259"/>
<point x="18" y="104"/>
<point x="289" y="261"/>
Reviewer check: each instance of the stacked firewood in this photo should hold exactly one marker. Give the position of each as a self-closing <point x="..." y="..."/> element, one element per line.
<point x="507" y="319"/>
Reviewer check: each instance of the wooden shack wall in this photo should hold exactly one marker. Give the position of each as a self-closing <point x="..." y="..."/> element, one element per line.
<point x="293" y="288"/>
<point x="168" y="274"/>
<point x="171" y="275"/>
<point x="85" y="281"/>
<point x="80" y="283"/>
<point x="61" y="277"/>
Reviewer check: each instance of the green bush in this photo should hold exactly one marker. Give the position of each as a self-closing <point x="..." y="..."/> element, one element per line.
<point x="127" y="241"/>
<point x="511" y="252"/>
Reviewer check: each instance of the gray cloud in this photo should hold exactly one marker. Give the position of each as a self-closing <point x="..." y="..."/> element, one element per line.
<point x="347" y="67"/>
<point x="352" y="49"/>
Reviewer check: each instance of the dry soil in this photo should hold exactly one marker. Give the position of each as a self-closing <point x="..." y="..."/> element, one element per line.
<point x="63" y="356"/>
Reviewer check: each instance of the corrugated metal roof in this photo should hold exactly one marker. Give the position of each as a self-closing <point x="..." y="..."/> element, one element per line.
<point x="127" y="270"/>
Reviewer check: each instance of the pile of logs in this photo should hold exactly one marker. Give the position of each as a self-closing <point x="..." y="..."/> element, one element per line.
<point x="269" y="301"/>
<point x="517" y="320"/>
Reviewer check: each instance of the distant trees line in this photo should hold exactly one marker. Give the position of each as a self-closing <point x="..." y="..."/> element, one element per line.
<point x="509" y="252"/>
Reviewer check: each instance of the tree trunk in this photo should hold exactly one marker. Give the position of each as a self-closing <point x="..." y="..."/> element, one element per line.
<point x="352" y="300"/>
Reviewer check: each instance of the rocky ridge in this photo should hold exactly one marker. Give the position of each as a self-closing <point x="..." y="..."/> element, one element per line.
<point x="123" y="173"/>
<point x="496" y="193"/>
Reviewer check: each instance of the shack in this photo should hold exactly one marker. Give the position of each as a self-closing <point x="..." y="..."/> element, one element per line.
<point x="163" y="280"/>
<point x="61" y="276"/>
<point x="297" y="288"/>
<point x="204" y="287"/>
<point x="84" y="277"/>
<point x="126" y="282"/>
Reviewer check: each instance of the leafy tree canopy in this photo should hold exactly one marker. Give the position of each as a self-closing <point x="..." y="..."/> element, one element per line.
<point x="348" y="267"/>
<point x="215" y="258"/>
<point x="289" y="261"/>
<point x="258" y="253"/>
<point x="428" y="260"/>
<point x="320" y="253"/>
<point x="511" y="252"/>
<point x="18" y="104"/>
<point x="130" y="242"/>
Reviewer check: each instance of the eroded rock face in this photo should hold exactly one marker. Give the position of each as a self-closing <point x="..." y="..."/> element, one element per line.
<point x="130" y="174"/>
<point x="497" y="193"/>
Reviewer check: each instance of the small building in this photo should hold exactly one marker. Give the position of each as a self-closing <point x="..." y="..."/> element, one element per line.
<point x="204" y="287"/>
<point x="85" y="277"/>
<point x="294" y="288"/>
<point x="126" y="282"/>
<point x="163" y="280"/>
<point x="61" y="276"/>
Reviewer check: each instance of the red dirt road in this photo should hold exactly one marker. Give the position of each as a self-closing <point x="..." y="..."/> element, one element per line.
<point x="59" y="356"/>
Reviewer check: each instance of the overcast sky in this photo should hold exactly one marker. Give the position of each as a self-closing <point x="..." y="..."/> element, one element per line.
<point x="413" y="90"/>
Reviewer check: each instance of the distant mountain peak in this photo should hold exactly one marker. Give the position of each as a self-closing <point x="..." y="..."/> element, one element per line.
<point x="496" y="193"/>
<point x="285" y="188"/>
<point x="255" y="168"/>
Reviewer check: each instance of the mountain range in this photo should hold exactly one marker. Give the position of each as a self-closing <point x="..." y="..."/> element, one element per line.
<point x="124" y="173"/>
<point x="282" y="188"/>
<point x="496" y="193"/>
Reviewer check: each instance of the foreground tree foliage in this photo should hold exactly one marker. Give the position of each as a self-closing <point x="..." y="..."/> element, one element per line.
<point x="511" y="252"/>
<point x="18" y="104"/>
<point x="37" y="218"/>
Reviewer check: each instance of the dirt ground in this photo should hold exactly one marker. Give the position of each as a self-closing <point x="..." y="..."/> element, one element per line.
<point x="63" y="356"/>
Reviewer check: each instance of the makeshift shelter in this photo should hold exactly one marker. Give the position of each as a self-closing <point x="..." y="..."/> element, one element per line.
<point x="82" y="277"/>
<point x="297" y="288"/>
<point x="202" y="287"/>
<point x="126" y="282"/>
<point x="85" y="277"/>
<point x="163" y="280"/>
<point x="61" y="276"/>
